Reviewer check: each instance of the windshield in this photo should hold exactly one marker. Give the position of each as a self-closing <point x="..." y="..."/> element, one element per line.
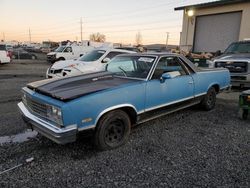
<point x="2" y="47"/>
<point x="92" y="56"/>
<point x="238" y="48"/>
<point x="131" y="66"/>
<point x="60" y="49"/>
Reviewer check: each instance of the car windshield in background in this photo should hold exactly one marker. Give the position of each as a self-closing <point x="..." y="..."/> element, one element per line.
<point x="131" y="66"/>
<point x="92" y="56"/>
<point x="238" y="48"/>
<point x="2" y="47"/>
<point x="60" y="49"/>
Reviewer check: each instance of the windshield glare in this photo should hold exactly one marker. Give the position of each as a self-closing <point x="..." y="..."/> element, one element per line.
<point x="131" y="66"/>
<point x="238" y="48"/>
<point x="60" y="49"/>
<point x="92" y="56"/>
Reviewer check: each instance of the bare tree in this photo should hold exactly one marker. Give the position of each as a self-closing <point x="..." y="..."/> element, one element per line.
<point x="97" y="37"/>
<point x="138" y="38"/>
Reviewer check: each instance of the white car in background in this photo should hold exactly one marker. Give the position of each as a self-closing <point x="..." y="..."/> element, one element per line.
<point x="93" y="61"/>
<point x="68" y="52"/>
<point x="4" y="54"/>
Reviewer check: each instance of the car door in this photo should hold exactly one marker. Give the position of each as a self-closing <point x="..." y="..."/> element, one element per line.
<point x="179" y="88"/>
<point x="68" y="53"/>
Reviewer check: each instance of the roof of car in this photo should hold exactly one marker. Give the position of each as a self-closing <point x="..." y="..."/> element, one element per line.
<point x="114" y="49"/>
<point x="243" y="41"/>
<point x="152" y="54"/>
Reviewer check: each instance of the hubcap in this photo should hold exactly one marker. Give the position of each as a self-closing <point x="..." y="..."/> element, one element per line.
<point x="114" y="132"/>
<point x="210" y="99"/>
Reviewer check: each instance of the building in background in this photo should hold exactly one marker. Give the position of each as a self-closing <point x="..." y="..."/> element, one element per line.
<point x="212" y="26"/>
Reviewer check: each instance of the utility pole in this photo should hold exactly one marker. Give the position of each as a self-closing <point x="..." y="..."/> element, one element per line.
<point x="29" y="35"/>
<point x="81" y="29"/>
<point x="167" y="40"/>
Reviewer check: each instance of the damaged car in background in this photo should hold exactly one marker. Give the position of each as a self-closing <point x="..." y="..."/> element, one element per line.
<point x="134" y="88"/>
<point x="93" y="61"/>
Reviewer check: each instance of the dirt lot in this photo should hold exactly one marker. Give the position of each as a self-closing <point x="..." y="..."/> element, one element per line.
<point x="185" y="149"/>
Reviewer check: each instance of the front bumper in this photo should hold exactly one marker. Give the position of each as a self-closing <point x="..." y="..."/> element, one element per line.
<point x="238" y="83"/>
<point x="58" y="135"/>
<point x="51" y="58"/>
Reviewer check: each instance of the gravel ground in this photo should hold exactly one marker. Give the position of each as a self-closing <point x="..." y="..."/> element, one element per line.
<point x="190" y="148"/>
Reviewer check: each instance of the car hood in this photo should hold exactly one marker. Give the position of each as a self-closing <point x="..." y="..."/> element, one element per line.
<point x="51" y="53"/>
<point x="242" y="56"/>
<point x="63" y="64"/>
<point x="84" y="67"/>
<point x="70" y="88"/>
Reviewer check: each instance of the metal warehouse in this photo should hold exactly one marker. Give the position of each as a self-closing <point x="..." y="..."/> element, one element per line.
<point x="212" y="26"/>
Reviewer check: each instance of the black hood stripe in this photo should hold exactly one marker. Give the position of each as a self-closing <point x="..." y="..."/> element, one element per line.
<point x="70" y="88"/>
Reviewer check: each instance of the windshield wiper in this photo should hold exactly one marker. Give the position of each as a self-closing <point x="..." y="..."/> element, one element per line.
<point x="123" y="71"/>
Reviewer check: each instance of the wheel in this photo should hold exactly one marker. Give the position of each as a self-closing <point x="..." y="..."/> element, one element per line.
<point x="112" y="130"/>
<point x="61" y="59"/>
<point x="243" y="113"/>
<point x="33" y="57"/>
<point x="208" y="102"/>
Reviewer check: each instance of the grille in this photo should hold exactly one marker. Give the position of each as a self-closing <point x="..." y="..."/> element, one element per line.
<point x="36" y="107"/>
<point x="234" y="67"/>
<point x="50" y="57"/>
<point x="238" y="77"/>
<point x="55" y="71"/>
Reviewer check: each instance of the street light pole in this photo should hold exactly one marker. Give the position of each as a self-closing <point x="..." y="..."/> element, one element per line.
<point x="167" y="40"/>
<point x="29" y="35"/>
<point x="81" y="29"/>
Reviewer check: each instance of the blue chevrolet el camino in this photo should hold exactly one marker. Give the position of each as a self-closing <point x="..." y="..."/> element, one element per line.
<point x="134" y="88"/>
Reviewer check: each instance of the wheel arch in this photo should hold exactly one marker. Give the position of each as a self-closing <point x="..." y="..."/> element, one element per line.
<point x="216" y="86"/>
<point x="128" y="108"/>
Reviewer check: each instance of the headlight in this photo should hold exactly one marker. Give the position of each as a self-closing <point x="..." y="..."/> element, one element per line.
<point x="54" y="114"/>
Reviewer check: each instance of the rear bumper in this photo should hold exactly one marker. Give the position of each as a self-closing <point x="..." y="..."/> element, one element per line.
<point x="58" y="135"/>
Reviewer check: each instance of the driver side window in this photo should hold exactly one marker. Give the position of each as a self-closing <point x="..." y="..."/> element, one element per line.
<point x="169" y="64"/>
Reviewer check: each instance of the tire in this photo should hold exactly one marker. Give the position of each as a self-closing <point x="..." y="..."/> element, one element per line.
<point x="61" y="59"/>
<point x="208" y="102"/>
<point x="243" y="113"/>
<point x="112" y="130"/>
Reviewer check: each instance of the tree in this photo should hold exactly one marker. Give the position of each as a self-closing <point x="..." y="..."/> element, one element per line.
<point x="97" y="37"/>
<point x="138" y="39"/>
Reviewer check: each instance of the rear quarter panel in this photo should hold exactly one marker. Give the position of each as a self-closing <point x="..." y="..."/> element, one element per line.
<point x="205" y="79"/>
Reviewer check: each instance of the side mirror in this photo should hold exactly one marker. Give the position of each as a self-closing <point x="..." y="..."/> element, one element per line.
<point x="106" y="60"/>
<point x="165" y="76"/>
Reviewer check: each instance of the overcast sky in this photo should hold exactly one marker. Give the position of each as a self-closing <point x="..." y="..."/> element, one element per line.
<point x="119" y="20"/>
